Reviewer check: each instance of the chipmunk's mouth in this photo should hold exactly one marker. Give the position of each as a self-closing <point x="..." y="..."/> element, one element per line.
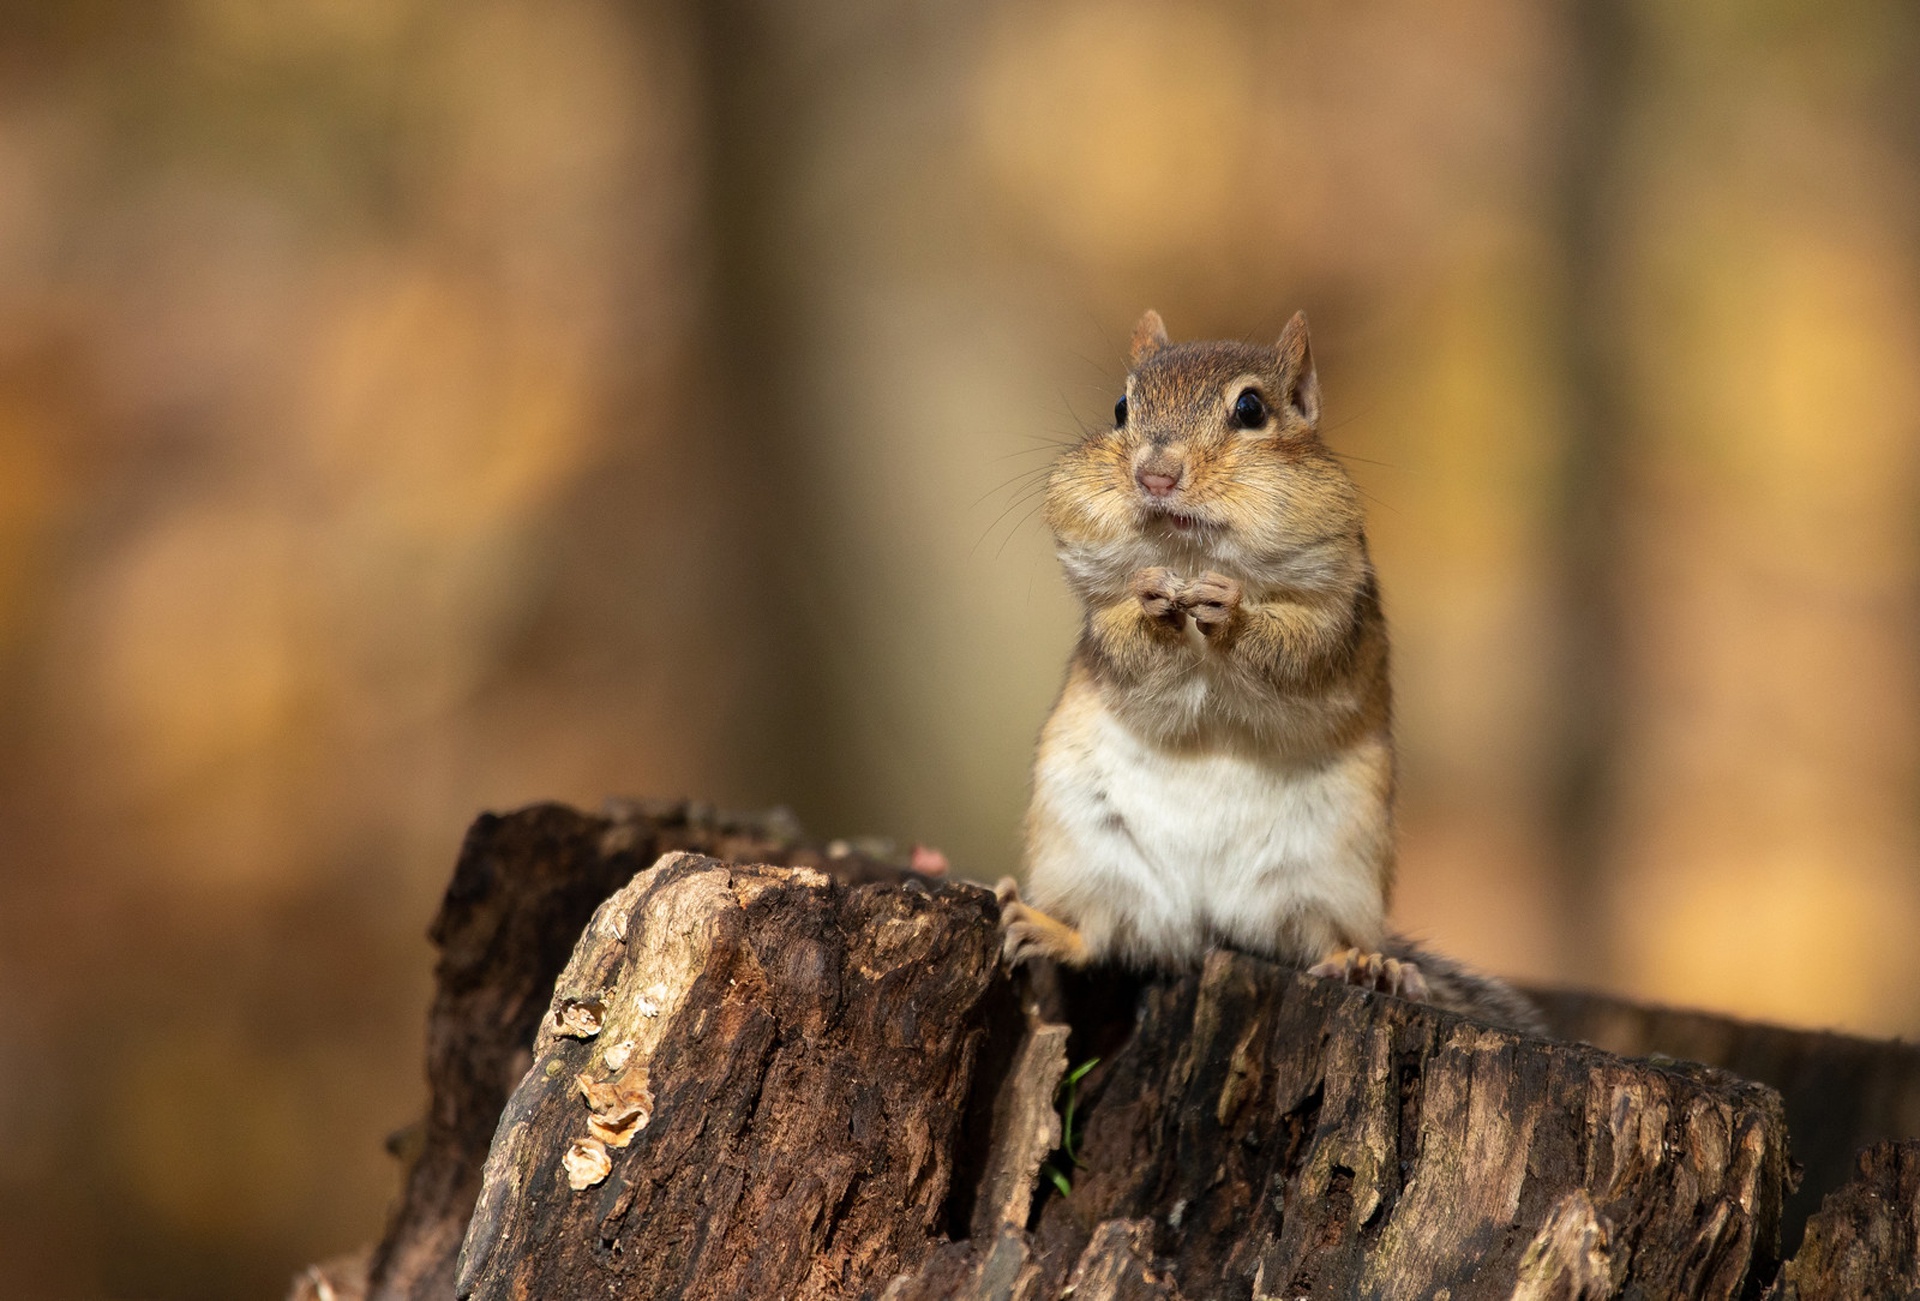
<point x="1175" y="518"/>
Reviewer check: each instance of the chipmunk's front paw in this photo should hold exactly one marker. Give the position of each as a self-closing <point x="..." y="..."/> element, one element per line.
<point x="1212" y="599"/>
<point x="1026" y="932"/>
<point x="1374" y="971"/>
<point x="1159" y="592"/>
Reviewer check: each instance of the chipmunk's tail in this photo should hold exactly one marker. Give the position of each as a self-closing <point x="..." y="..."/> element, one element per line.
<point x="1459" y="988"/>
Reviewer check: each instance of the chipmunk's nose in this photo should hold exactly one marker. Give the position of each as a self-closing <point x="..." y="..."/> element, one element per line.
<point x="1156" y="482"/>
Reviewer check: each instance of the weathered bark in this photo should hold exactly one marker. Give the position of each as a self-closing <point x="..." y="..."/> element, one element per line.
<point x="1023" y="1124"/>
<point x="522" y="889"/>
<point x="1865" y="1241"/>
<point x="798" y="1086"/>
<point x="808" y="1050"/>
<point x="1842" y="1093"/>
<point x="1292" y="1138"/>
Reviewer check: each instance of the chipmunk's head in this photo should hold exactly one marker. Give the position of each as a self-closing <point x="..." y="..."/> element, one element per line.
<point x="1214" y="447"/>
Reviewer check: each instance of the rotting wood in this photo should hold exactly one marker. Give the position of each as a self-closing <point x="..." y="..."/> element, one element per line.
<point x="1865" y="1239"/>
<point x="996" y="1268"/>
<point x="1572" y="1258"/>
<point x="1842" y="1092"/>
<point x="1025" y="1128"/>
<point x="1118" y="1265"/>
<point x="1289" y="1137"/>
<point x="1248" y="1133"/>
<point x="524" y="885"/>
<point x="810" y="1049"/>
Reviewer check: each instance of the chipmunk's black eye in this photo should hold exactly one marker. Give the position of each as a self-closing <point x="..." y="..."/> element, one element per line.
<point x="1249" y="412"/>
<point x="1120" y="413"/>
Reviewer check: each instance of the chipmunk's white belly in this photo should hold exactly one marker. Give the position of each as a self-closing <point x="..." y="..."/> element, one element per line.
<point x="1156" y="852"/>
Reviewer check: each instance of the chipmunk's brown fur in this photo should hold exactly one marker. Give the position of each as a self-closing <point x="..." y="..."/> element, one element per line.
<point x="1219" y="766"/>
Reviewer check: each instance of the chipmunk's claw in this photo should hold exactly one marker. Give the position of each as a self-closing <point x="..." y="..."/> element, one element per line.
<point x="1027" y="933"/>
<point x="1374" y="971"/>
<point x="1213" y="600"/>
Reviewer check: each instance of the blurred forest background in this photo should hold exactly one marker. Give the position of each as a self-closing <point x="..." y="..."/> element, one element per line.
<point x="409" y="408"/>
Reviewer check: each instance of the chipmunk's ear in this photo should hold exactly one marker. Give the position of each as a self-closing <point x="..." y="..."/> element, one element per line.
<point x="1149" y="336"/>
<point x="1299" y="386"/>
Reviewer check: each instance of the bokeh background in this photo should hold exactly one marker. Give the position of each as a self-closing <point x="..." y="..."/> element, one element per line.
<point x="410" y="407"/>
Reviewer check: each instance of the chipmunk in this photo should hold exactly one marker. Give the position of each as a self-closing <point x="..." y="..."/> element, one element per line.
<point x="1219" y="766"/>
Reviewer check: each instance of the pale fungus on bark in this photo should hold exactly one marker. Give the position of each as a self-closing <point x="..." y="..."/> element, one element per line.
<point x="618" y="1108"/>
<point x="579" y="1018"/>
<point x="586" y="1163"/>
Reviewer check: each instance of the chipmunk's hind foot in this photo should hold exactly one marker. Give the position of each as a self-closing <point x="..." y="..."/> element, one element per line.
<point x="1029" y="933"/>
<point x="1374" y="971"/>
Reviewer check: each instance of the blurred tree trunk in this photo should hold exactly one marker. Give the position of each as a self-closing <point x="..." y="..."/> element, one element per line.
<point x="754" y="114"/>
<point x="1590" y="508"/>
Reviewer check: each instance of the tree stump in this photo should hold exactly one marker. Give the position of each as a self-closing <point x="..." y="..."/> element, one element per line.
<point x="816" y="1080"/>
<point x="522" y="889"/>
